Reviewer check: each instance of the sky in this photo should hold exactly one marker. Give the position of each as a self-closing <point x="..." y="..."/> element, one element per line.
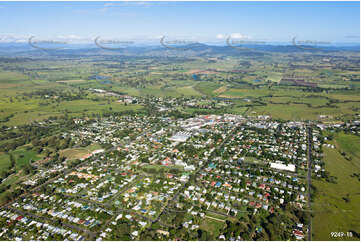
<point x="203" y="21"/>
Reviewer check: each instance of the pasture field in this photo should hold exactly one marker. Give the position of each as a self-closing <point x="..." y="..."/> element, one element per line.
<point x="334" y="86"/>
<point x="7" y="77"/>
<point x="336" y="207"/>
<point x="345" y="96"/>
<point x="292" y="111"/>
<point x="274" y="76"/>
<point x="71" y="81"/>
<point x="207" y="88"/>
<point x="239" y="110"/>
<point x="313" y="101"/>
<point x="244" y="93"/>
<point x="349" y="144"/>
<point x="159" y="91"/>
<point x="165" y="90"/>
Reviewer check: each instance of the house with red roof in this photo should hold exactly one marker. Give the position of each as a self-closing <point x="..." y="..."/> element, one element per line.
<point x="298" y="234"/>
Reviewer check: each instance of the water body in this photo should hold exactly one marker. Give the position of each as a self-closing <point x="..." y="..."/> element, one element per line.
<point x="196" y="77"/>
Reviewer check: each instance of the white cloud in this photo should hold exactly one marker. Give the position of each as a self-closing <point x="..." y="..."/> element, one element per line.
<point x="21" y="40"/>
<point x="140" y="3"/>
<point x="11" y="38"/>
<point x="239" y="36"/>
<point x="71" y="36"/>
<point x="221" y="36"/>
<point x="155" y="37"/>
<point x="75" y="38"/>
<point x="112" y="5"/>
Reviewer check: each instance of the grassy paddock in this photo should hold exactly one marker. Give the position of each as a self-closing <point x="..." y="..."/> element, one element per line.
<point x="337" y="206"/>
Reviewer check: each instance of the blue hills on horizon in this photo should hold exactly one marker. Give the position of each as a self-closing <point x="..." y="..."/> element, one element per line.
<point x="269" y="47"/>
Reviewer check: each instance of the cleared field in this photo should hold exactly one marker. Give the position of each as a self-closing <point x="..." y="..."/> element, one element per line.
<point x="212" y="226"/>
<point x="77" y="153"/>
<point x="188" y="91"/>
<point x="337" y="206"/>
<point x="249" y="159"/>
<point x="220" y="90"/>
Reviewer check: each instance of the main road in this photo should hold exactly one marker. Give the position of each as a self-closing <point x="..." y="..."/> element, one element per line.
<point x="309" y="180"/>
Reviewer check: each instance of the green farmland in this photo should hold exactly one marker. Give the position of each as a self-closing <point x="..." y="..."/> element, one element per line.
<point x="337" y="205"/>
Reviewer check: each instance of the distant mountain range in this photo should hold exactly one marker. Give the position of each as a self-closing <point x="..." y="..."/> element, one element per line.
<point x="197" y="49"/>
